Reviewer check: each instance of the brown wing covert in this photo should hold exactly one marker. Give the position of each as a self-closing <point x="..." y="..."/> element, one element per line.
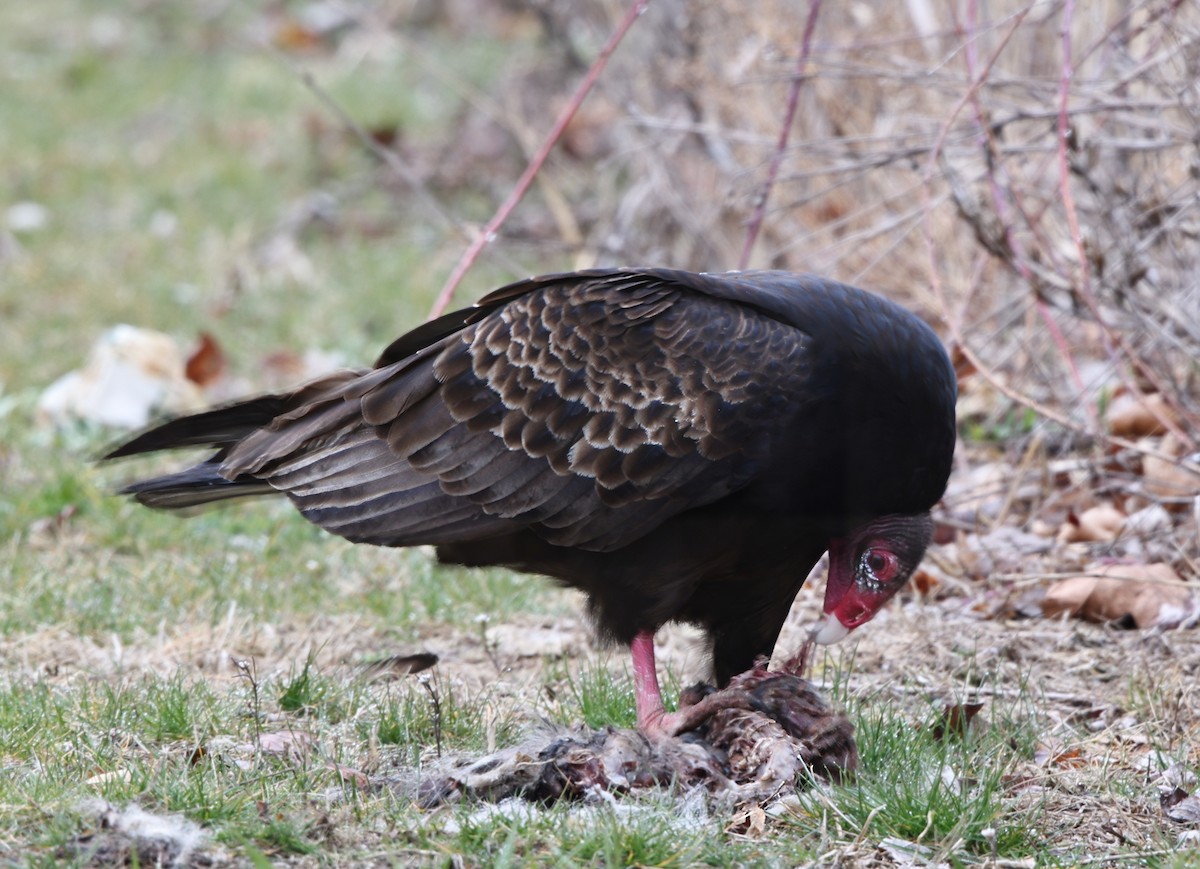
<point x="595" y="409"/>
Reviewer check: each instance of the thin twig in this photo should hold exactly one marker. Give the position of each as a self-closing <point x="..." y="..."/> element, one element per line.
<point x="535" y="164"/>
<point x="798" y="79"/>
<point x="1015" y="255"/>
<point x="1085" y="293"/>
<point x="934" y="154"/>
<point x="385" y="155"/>
<point x="435" y="701"/>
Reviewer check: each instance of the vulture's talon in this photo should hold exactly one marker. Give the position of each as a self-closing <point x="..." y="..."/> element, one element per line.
<point x="669" y="725"/>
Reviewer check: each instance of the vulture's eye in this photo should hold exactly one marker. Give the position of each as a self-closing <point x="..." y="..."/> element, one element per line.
<point x="883" y="566"/>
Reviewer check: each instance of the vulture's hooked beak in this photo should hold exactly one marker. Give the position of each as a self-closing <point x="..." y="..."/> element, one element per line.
<point x="847" y="604"/>
<point x="827" y="631"/>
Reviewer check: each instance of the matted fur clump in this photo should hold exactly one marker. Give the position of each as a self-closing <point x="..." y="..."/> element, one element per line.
<point x="775" y="734"/>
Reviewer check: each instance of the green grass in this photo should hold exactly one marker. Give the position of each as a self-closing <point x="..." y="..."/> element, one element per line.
<point x="180" y="744"/>
<point x="596" y="693"/>
<point x="189" y="122"/>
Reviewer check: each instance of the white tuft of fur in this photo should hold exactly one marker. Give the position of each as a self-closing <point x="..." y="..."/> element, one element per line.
<point x="179" y="836"/>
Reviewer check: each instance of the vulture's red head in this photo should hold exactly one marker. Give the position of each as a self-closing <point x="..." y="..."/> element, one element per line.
<point x="867" y="568"/>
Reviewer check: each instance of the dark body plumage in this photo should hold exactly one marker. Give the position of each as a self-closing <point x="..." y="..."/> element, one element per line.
<point x="679" y="446"/>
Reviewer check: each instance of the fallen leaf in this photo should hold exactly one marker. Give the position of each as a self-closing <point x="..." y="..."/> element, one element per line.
<point x="1053" y="754"/>
<point x="1166" y="479"/>
<point x="963" y="366"/>
<point x="589" y="133"/>
<point x="955" y="719"/>
<point x="924" y="582"/>
<point x="348" y="775"/>
<point x="1096" y="524"/>
<point x="397" y="665"/>
<point x="1180" y="806"/>
<point x="751" y="822"/>
<point x="1146" y="595"/>
<point x="207" y="362"/>
<point x="1132" y="416"/>
<point x="294" y="36"/>
<point x="384" y="134"/>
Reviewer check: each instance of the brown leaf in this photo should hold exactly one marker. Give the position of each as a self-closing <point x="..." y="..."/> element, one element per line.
<point x="207" y="362"/>
<point x="955" y="719"/>
<point x="589" y="133"/>
<point x="1167" y="479"/>
<point x="293" y="36"/>
<point x="1100" y="523"/>
<point x="750" y="821"/>
<point x="386" y="135"/>
<point x="1130" y="416"/>
<point x="1053" y="754"/>
<point x="397" y="665"/>
<point x="963" y="366"/>
<point x="348" y="775"/>
<point x="1146" y="595"/>
<point x="1180" y="806"/>
<point x="924" y="582"/>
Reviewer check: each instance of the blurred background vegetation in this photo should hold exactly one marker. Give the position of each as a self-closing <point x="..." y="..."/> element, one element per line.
<point x="201" y="167"/>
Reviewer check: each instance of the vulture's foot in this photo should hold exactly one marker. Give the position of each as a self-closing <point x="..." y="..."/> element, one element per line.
<point x="701" y="702"/>
<point x="705" y="702"/>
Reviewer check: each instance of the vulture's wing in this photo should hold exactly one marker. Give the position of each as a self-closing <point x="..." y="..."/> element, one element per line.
<point x="589" y="408"/>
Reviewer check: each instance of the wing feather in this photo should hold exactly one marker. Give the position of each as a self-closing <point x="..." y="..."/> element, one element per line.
<point x="591" y="409"/>
<point x="587" y="408"/>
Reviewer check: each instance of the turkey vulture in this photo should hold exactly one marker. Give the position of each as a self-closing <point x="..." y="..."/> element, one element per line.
<point x="679" y="446"/>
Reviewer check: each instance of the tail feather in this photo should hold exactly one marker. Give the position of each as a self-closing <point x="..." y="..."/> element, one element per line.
<point x="194" y="487"/>
<point x="217" y="428"/>
<point x="222" y="429"/>
<point x="203" y="483"/>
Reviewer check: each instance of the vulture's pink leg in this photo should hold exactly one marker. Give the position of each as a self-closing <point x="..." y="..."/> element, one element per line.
<point x="650" y="709"/>
<point x="653" y="719"/>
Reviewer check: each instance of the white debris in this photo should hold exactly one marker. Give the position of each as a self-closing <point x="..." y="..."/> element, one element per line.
<point x="27" y="216"/>
<point x="131" y="375"/>
<point x="172" y="837"/>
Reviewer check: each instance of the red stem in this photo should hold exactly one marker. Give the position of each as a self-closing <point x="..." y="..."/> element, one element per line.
<point x="1085" y="292"/>
<point x="535" y="163"/>
<point x="798" y="78"/>
<point x="1000" y="204"/>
